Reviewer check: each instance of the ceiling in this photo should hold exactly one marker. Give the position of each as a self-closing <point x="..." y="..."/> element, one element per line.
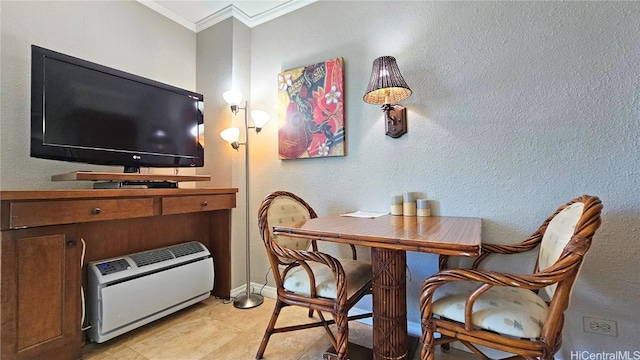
<point x="198" y="15"/>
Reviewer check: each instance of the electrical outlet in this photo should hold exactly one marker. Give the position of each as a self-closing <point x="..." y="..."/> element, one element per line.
<point x="600" y="326"/>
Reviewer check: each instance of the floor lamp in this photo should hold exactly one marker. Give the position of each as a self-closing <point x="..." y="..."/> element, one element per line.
<point x="233" y="98"/>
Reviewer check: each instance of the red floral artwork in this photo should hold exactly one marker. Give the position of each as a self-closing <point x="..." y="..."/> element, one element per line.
<point x="311" y="111"/>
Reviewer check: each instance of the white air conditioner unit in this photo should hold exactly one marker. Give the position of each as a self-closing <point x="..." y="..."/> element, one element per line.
<point x="133" y="290"/>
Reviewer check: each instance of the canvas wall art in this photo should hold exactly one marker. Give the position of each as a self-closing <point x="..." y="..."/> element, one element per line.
<point x="311" y="111"/>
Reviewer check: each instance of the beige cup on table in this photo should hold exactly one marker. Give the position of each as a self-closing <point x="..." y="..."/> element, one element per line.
<point x="396" y="205"/>
<point x="409" y="204"/>
<point x="423" y="208"/>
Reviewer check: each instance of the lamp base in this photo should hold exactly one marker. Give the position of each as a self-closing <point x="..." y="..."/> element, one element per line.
<point x="245" y="301"/>
<point x="396" y="120"/>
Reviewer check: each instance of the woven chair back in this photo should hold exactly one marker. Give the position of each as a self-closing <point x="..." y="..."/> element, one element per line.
<point x="556" y="237"/>
<point x="284" y="209"/>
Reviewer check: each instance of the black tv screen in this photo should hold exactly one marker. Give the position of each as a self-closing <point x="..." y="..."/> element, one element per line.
<point x="85" y="112"/>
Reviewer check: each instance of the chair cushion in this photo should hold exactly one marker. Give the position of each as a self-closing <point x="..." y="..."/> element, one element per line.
<point x="505" y="310"/>
<point x="284" y="210"/>
<point x="559" y="231"/>
<point x="358" y="274"/>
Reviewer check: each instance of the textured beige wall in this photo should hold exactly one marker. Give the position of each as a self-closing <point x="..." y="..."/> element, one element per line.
<point x="517" y="108"/>
<point x="214" y="73"/>
<point x="120" y="34"/>
<point x="224" y="64"/>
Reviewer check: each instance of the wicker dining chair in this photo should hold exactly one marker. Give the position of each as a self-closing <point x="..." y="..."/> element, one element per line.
<point x="307" y="277"/>
<point x="503" y="311"/>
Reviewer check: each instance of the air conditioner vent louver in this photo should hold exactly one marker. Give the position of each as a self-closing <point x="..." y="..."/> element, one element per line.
<point x="151" y="257"/>
<point x="185" y="249"/>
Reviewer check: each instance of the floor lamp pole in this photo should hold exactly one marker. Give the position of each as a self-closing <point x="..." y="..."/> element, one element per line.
<point x="247" y="300"/>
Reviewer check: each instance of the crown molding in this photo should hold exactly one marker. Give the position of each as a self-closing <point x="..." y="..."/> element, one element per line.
<point x="169" y="14"/>
<point x="251" y="21"/>
<point x="227" y="12"/>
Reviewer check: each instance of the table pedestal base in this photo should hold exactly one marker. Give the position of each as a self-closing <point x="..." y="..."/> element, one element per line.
<point x="354" y="352"/>
<point x="358" y="352"/>
<point x="389" y="304"/>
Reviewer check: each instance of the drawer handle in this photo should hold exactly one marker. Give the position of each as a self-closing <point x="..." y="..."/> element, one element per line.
<point x="71" y="243"/>
<point x="96" y="211"/>
<point x="204" y="204"/>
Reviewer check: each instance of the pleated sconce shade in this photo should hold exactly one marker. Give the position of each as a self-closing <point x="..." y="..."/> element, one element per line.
<point x="386" y="86"/>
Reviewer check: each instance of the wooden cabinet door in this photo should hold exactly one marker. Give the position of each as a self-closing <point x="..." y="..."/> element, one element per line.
<point x="41" y="282"/>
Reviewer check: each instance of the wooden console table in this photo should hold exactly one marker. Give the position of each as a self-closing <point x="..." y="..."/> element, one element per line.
<point x="42" y="234"/>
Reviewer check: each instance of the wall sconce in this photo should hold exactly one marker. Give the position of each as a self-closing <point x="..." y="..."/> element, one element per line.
<point x="234" y="98"/>
<point x="387" y="86"/>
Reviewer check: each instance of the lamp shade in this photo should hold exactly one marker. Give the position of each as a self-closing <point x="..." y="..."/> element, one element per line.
<point x="260" y="118"/>
<point x="232" y="97"/>
<point x="386" y="85"/>
<point x="230" y="135"/>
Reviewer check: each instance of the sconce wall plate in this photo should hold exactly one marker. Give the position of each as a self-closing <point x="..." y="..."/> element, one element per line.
<point x="395" y="120"/>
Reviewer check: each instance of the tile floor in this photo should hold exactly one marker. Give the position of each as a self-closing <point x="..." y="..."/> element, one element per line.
<point x="214" y="329"/>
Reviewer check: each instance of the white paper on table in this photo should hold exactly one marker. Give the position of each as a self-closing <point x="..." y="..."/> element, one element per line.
<point x="364" y="214"/>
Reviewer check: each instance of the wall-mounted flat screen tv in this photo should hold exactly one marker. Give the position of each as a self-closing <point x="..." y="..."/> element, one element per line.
<point x="89" y="113"/>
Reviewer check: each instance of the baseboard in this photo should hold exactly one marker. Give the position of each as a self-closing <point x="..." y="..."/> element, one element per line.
<point x="266" y="291"/>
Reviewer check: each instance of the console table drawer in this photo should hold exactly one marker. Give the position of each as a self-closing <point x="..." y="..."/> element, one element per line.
<point x="41" y="213"/>
<point x="189" y="204"/>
